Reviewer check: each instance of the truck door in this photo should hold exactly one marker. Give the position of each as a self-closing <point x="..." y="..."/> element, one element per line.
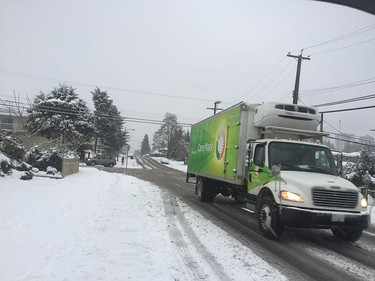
<point x="231" y="150"/>
<point x="256" y="175"/>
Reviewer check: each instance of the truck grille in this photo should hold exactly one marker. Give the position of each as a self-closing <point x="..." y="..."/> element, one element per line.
<point x="334" y="198"/>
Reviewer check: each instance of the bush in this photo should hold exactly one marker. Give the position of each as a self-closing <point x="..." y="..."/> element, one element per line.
<point x="11" y="148"/>
<point x="42" y="159"/>
<point x="51" y="170"/>
<point x="23" y="167"/>
<point x="27" y="176"/>
<point x="5" y="167"/>
<point x="355" y="171"/>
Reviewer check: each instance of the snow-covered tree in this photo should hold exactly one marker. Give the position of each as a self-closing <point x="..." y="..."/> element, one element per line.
<point x="145" y="146"/>
<point x="170" y="136"/>
<point x="180" y="145"/>
<point x="364" y="163"/>
<point x="61" y="115"/>
<point x="108" y="122"/>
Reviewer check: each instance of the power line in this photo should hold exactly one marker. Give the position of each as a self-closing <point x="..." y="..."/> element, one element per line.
<point x="260" y="81"/>
<point x="105" y="87"/>
<point x="349" y="141"/>
<point x="8" y="103"/>
<point x="346" y="101"/>
<point x="290" y="93"/>
<point x="341" y="48"/>
<point x="339" y="133"/>
<point x="348" y="35"/>
<point x="306" y="93"/>
<point x="269" y="83"/>
<point x="348" y="109"/>
<point x="282" y="81"/>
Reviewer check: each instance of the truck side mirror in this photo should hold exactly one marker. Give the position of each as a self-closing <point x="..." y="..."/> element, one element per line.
<point x="275" y="170"/>
<point x="249" y="160"/>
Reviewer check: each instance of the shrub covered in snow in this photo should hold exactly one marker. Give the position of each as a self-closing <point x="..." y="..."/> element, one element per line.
<point x="51" y="170"/>
<point x="5" y="167"/>
<point x="10" y="147"/>
<point x="11" y="156"/>
<point x="356" y="170"/>
<point x="27" y="176"/>
<point x="42" y="159"/>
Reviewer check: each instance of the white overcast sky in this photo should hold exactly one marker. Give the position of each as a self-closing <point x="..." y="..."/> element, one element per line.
<point x="179" y="56"/>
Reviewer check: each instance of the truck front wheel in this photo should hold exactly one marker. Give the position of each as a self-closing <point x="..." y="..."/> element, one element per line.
<point x="348" y="234"/>
<point x="203" y="190"/>
<point x="268" y="218"/>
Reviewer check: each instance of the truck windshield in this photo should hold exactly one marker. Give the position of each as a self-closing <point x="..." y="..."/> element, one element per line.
<point x="301" y="157"/>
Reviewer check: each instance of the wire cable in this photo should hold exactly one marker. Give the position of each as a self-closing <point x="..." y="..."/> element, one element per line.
<point x="105" y="87"/>
<point x="260" y="81"/>
<point x="306" y="93"/>
<point x="346" y="101"/>
<point x="345" y="36"/>
<point x="341" y="48"/>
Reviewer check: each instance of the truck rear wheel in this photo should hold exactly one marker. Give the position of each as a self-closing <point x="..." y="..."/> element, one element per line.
<point x="348" y="234"/>
<point x="204" y="192"/>
<point x="268" y="218"/>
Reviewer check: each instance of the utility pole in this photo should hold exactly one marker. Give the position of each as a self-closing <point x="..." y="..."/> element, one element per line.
<point x="215" y="108"/>
<point x="298" y="74"/>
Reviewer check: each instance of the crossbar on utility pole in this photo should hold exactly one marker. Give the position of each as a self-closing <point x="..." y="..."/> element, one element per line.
<point x="298" y="74"/>
<point x="215" y="108"/>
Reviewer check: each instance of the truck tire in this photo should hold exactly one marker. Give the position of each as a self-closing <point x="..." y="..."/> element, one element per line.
<point x="110" y="165"/>
<point x="92" y="163"/>
<point x="348" y="234"/>
<point x="204" y="192"/>
<point x="268" y="218"/>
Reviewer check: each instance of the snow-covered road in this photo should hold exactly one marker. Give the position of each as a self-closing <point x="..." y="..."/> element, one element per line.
<point x="101" y="226"/>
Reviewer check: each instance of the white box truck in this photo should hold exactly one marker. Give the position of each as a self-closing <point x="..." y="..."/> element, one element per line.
<point x="269" y="156"/>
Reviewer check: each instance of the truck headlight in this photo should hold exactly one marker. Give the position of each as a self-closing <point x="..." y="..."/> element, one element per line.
<point x="290" y="196"/>
<point x="363" y="202"/>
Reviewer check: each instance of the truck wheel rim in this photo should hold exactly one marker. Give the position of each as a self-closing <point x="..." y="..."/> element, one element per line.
<point x="266" y="218"/>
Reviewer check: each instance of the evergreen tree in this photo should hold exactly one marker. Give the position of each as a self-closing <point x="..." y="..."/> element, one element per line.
<point x="145" y="146"/>
<point x="61" y="115"/>
<point x="108" y="122"/>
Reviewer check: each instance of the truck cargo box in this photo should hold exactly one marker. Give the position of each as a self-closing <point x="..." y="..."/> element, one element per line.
<point x="216" y="143"/>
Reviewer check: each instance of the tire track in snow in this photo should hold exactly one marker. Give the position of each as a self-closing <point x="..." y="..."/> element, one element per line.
<point x="140" y="161"/>
<point x="183" y="238"/>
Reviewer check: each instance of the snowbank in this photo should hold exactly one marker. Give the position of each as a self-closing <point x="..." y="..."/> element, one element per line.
<point x="105" y="226"/>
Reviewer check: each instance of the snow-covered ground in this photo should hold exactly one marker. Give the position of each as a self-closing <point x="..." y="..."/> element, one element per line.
<point x="102" y="226"/>
<point x="178" y="165"/>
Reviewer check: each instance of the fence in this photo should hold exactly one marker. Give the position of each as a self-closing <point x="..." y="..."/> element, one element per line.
<point x="69" y="166"/>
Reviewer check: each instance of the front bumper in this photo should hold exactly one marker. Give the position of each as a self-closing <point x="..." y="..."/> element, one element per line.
<point x="299" y="217"/>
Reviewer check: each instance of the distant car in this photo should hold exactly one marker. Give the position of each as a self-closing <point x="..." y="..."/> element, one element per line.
<point x="164" y="161"/>
<point x="105" y="160"/>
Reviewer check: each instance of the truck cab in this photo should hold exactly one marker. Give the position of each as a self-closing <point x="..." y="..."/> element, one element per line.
<point x="297" y="184"/>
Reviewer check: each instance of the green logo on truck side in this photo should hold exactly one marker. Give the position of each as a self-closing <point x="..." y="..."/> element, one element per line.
<point x="220" y="144"/>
